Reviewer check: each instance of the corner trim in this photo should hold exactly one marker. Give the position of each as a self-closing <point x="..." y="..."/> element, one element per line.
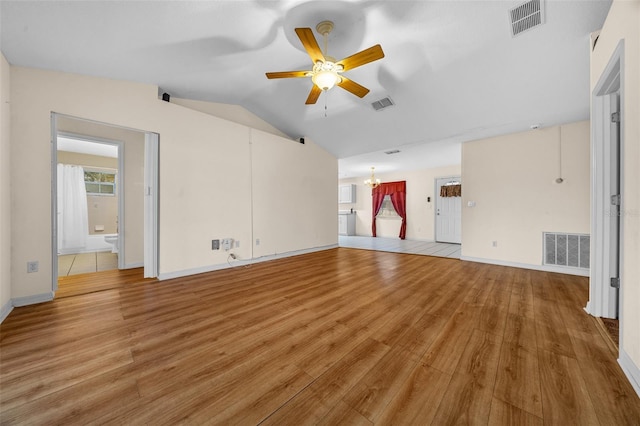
<point x="6" y="310"/>
<point x="32" y="300"/>
<point x="240" y="262"/>
<point x="545" y="268"/>
<point x="630" y="370"/>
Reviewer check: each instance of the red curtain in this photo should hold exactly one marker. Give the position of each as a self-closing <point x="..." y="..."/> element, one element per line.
<point x="397" y="191"/>
<point x="377" y="197"/>
<point x="399" y="201"/>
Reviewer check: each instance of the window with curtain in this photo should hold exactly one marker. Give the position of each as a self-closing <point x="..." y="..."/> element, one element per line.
<point x="397" y="193"/>
<point x="387" y="210"/>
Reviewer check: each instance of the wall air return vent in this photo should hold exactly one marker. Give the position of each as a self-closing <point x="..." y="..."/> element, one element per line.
<point x="526" y="16"/>
<point x="382" y="103"/>
<point x="566" y="250"/>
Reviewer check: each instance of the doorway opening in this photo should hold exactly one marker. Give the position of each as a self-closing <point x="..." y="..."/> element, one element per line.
<point x="89" y="204"/>
<point x="104" y="218"/>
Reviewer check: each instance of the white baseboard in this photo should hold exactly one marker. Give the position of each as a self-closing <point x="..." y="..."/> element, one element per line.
<point x="6" y="310"/>
<point x="32" y="300"/>
<point x="630" y="369"/>
<point x="134" y="265"/>
<point x="546" y="268"/>
<point x="240" y="262"/>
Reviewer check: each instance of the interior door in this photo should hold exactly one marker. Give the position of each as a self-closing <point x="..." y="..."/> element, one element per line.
<point x="448" y="214"/>
<point x="614" y="259"/>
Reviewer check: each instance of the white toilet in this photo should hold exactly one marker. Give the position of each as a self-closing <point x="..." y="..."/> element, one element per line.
<point x="113" y="240"/>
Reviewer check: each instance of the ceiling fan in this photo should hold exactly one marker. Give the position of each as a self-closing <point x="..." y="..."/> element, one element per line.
<point x="326" y="71"/>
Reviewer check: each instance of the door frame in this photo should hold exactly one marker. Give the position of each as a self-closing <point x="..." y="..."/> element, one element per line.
<point x="151" y="213"/>
<point x="436" y="197"/>
<point x="602" y="298"/>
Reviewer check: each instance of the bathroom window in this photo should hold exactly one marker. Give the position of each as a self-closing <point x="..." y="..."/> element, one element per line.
<point x="100" y="182"/>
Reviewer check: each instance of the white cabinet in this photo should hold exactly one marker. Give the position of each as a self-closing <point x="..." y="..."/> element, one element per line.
<point x="347" y="224"/>
<point x="347" y="193"/>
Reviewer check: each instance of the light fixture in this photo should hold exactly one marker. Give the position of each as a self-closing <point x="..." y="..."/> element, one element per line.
<point x="372" y="182"/>
<point x="325" y="73"/>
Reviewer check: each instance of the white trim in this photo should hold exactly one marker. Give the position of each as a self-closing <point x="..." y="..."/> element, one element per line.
<point x="134" y="265"/>
<point x="240" y="262"/>
<point x="151" y="163"/>
<point x="630" y="370"/>
<point x="54" y="201"/>
<point x="6" y="310"/>
<point x="32" y="300"/>
<point x="546" y="268"/>
<point x="601" y="295"/>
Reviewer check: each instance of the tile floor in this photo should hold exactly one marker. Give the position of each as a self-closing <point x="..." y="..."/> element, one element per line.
<point x="83" y="263"/>
<point x="401" y="246"/>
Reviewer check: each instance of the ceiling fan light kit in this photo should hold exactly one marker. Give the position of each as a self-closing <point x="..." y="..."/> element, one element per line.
<point x="326" y="71"/>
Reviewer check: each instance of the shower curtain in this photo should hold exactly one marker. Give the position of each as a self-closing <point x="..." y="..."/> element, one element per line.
<point x="73" y="222"/>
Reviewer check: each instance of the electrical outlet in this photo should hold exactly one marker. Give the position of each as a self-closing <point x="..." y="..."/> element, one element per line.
<point x="32" y="266"/>
<point x="494" y="244"/>
<point x="257" y="241"/>
<point x="237" y="244"/>
<point x="215" y="244"/>
<point x="227" y="244"/>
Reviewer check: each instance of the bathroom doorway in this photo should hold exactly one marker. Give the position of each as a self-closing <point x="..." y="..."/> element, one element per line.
<point x="89" y="204"/>
<point x="115" y="172"/>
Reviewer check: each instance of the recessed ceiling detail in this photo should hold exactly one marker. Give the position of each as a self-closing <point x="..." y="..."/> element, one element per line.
<point x="526" y="16"/>
<point x="383" y="103"/>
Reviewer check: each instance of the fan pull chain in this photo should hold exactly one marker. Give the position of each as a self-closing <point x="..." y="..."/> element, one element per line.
<point x="325" y="104"/>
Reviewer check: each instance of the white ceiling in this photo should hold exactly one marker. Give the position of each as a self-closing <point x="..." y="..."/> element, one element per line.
<point x="452" y="67"/>
<point x="82" y="146"/>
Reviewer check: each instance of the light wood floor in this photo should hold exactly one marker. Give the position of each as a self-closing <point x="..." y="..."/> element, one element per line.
<point x="75" y="285"/>
<point x="340" y="337"/>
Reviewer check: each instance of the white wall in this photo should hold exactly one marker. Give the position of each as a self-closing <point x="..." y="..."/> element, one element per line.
<point x="290" y="182"/>
<point x="420" y="213"/>
<point x="205" y="174"/>
<point x="623" y="23"/>
<point x="511" y="179"/>
<point x="5" y="188"/>
<point x="234" y="113"/>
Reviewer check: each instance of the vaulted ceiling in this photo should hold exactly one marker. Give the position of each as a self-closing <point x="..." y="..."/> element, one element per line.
<point x="452" y="68"/>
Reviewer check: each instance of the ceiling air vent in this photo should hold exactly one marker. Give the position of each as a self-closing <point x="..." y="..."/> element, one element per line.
<point x="526" y="16"/>
<point x="382" y="103"/>
<point x="393" y="151"/>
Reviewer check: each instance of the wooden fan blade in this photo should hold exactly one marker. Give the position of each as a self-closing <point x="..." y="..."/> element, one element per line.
<point x="353" y="87"/>
<point x="287" y="74"/>
<point x="310" y="44"/>
<point x="313" y="95"/>
<point x="363" y="57"/>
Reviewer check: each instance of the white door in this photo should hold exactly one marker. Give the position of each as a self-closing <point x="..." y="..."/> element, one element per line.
<point x="448" y="214"/>
<point x="614" y="253"/>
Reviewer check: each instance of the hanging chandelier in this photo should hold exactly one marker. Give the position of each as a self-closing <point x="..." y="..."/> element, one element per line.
<point x="372" y="182"/>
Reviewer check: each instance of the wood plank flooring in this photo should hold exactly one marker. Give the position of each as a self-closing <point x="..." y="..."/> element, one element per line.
<point x="339" y="337"/>
<point x="74" y="285"/>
